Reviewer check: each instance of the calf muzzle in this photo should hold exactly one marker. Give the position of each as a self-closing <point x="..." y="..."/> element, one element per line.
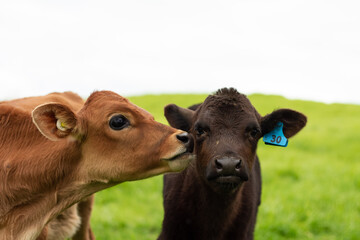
<point x="227" y="166"/>
<point x="187" y="139"/>
<point x="226" y="173"/>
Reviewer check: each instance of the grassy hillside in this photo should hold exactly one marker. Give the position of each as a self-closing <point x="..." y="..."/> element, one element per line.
<point x="311" y="189"/>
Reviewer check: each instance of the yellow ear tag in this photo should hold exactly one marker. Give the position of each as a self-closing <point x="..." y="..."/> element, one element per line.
<point x="60" y="125"/>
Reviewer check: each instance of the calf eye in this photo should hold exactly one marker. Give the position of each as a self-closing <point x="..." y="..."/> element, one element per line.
<point x="118" y="122"/>
<point x="254" y="132"/>
<point x="199" y="131"/>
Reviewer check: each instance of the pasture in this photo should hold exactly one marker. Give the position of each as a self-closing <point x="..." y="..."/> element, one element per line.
<point x="311" y="189"/>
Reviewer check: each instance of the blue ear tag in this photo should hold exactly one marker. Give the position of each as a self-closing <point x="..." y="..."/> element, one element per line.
<point x="276" y="136"/>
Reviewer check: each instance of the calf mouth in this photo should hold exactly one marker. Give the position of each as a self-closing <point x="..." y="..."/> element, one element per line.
<point x="228" y="180"/>
<point x="180" y="161"/>
<point x="179" y="155"/>
<point x="226" y="183"/>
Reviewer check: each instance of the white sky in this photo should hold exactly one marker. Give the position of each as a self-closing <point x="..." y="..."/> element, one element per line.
<point x="308" y="49"/>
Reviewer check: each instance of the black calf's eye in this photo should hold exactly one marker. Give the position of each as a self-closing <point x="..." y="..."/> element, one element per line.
<point x="199" y="131"/>
<point x="118" y="122"/>
<point x="254" y="133"/>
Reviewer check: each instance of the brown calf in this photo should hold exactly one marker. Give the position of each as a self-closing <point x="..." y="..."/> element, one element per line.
<point x="87" y="147"/>
<point x="217" y="196"/>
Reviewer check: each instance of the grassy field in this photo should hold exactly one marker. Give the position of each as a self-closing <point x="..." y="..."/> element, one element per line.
<point x="311" y="189"/>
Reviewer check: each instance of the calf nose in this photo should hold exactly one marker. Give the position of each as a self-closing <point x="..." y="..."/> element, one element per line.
<point x="228" y="166"/>
<point x="187" y="139"/>
<point x="183" y="137"/>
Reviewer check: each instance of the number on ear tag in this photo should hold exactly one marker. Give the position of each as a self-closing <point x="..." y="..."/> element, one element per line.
<point x="276" y="136"/>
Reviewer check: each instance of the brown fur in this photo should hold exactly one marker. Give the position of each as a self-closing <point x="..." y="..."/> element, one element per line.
<point x="40" y="177"/>
<point x="217" y="197"/>
<point x="84" y="209"/>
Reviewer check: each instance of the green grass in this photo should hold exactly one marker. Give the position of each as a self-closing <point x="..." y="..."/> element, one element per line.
<point x="311" y="189"/>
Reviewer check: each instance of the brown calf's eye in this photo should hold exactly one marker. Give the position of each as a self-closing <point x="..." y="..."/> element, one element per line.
<point x="118" y="122"/>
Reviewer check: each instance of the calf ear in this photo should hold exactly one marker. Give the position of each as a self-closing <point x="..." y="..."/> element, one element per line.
<point x="179" y="117"/>
<point x="293" y="121"/>
<point x="55" y="121"/>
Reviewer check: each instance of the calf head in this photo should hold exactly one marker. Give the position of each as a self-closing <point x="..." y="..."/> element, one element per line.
<point x="117" y="140"/>
<point x="226" y="128"/>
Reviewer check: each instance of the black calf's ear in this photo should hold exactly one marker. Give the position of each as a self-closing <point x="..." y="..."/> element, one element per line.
<point x="293" y="121"/>
<point x="178" y="117"/>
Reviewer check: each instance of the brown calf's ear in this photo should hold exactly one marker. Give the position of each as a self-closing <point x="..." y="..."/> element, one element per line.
<point x="55" y="121"/>
<point x="293" y="121"/>
<point x="178" y="117"/>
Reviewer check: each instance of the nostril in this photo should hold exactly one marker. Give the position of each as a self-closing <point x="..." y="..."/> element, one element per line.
<point x="238" y="165"/>
<point x="183" y="137"/>
<point x="218" y="165"/>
